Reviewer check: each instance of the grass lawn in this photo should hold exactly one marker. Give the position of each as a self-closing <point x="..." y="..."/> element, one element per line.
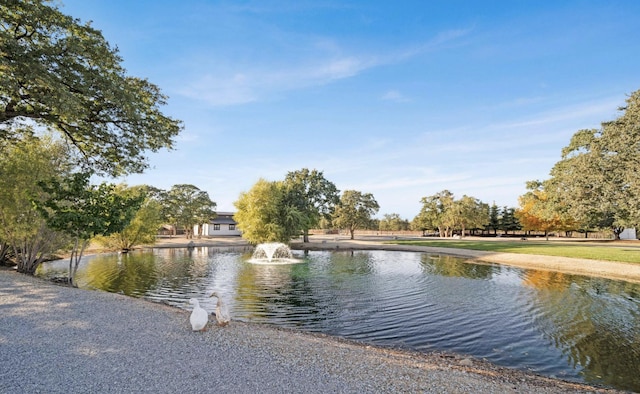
<point x="609" y="252"/>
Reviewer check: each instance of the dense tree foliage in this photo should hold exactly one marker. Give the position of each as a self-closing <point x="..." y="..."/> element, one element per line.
<point x="354" y="210"/>
<point x="509" y="221"/>
<point x="443" y="212"/>
<point x="393" y="222"/>
<point x="82" y="211"/>
<point x="494" y="219"/>
<point x="436" y="213"/>
<point x="536" y="213"/>
<point x="187" y="206"/>
<point x="597" y="181"/>
<point x="143" y="227"/>
<point x="471" y="214"/>
<point x="64" y="75"/>
<point x="264" y="215"/>
<point x="24" y="234"/>
<point x="311" y="195"/>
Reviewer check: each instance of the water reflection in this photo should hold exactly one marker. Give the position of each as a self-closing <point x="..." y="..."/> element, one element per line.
<point x="454" y="266"/>
<point x="555" y="324"/>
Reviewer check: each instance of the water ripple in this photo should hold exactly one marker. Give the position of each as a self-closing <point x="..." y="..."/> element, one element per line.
<point x="577" y="328"/>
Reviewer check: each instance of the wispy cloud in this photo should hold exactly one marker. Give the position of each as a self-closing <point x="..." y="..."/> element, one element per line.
<point x="394" y="95"/>
<point x="326" y="64"/>
<point x="247" y="86"/>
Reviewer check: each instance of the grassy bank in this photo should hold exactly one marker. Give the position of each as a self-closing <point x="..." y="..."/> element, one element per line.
<point x="608" y="252"/>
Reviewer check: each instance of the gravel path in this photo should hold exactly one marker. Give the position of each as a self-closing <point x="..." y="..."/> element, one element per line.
<point x="55" y="339"/>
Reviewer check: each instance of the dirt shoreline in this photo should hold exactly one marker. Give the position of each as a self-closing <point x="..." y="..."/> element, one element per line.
<point x="604" y="269"/>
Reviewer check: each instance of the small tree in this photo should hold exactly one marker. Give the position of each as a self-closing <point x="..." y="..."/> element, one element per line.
<point x="538" y="213"/>
<point x="143" y="227"/>
<point x="83" y="211"/>
<point x="494" y="219"/>
<point x="24" y="235"/>
<point x="355" y="210"/>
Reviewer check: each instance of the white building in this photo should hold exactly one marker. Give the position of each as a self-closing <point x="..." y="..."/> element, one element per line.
<point x="628" y="233"/>
<point x="223" y="225"/>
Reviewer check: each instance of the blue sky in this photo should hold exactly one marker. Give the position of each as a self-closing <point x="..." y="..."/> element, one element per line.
<point x="401" y="99"/>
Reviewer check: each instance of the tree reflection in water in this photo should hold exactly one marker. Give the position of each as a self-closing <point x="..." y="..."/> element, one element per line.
<point x="571" y="326"/>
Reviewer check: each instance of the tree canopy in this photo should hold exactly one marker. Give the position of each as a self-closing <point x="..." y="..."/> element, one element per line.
<point x="444" y="212"/>
<point x="187" y="206"/>
<point x="435" y="213"/>
<point x="311" y="195"/>
<point x="354" y="210"/>
<point x="81" y="210"/>
<point x="537" y="213"/>
<point x="393" y="222"/>
<point x="597" y="181"/>
<point x="264" y="215"/>
<point x="23" y="232"/>
<point x="62" y="74"/>
<point x="143" y="227"/>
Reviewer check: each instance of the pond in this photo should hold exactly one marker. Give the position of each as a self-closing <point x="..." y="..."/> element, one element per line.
<point x="559" y="325"/>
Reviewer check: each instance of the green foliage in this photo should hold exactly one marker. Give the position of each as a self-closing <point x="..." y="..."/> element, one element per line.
<point x="142" y="229"/>
<point x="597" y="181"/>
<point x="22" y="230"/>
<point x="494" y="219"/>
<point x="265" y="214"/>
<point x="444" y="212"/>
<point x="187" y="206"/>
<point x="393" y="222"/>
<point x="310" y="195"/>
<point x="472" y="213"/>
<point x="509" y="221"/>
<point x="436" y="212"/>
<point x="355" y="210"/>
<point x="83" y="211"/>
<point x="538" y="214"/>
<point x="64" y="75"/>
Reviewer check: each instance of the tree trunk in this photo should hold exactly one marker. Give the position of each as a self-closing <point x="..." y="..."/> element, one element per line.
<point x="74" y="261"/>
<point x="31" y="251"/>
<point x="305" y="235"/>
<point x="352" y="231"/>
<point x="4" y="251"/>
<point x="617" y="231"/>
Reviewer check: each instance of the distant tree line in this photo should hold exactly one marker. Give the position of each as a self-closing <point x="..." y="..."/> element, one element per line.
<point x="281" y="210"/>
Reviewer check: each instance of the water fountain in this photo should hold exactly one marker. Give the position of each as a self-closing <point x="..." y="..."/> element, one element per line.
<point x="273" y="253"/>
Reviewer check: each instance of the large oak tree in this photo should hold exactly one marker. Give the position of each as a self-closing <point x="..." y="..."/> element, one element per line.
<point x="309" y="193"/>
<point x="355" y="210"/>
<point x="62" y="74"/>
<point x="597" y="180"/>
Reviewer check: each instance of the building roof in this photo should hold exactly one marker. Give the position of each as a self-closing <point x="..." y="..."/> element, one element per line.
<point x="223" y="220"/>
